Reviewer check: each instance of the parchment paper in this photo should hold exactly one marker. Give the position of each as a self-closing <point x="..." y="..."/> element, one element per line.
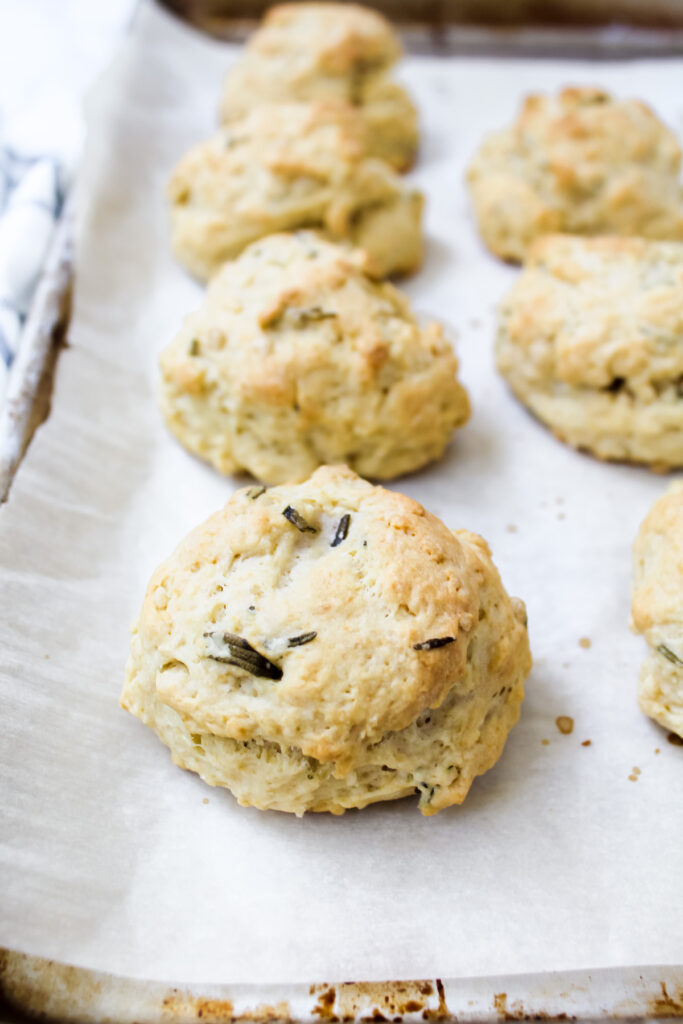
<point x="112" y="858"/>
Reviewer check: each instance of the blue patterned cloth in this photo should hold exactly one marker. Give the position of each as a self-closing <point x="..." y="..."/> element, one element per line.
<point x="31" y="197"/>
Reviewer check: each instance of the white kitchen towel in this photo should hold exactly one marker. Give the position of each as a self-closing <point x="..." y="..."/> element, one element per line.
<point x="31" y="197"/>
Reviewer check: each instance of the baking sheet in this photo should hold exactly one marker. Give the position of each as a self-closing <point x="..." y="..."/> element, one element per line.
<point x="114" y="859"/>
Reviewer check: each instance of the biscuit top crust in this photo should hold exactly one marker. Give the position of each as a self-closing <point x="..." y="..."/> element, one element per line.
<point x="360" y="601"/>
<point x="592" y="123"/>
<point x="613" y="307"/>
<point x="315" y="51"/>
<point x="290" y="306"/>
<point x="277" y="155"/>
<point x="328" y="37"/>
<point x="582" y="162"/>
<point x="570" y="141"/>
<point x="657" y="608"/>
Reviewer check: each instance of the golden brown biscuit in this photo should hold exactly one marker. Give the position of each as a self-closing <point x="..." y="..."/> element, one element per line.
<point x="591" y="340"/>
<point x="327" y="645"/>
<point x="583" y="163"/>
<point x="323" y="51"/>
<point x="286" y="167"/>
<point x="298" y="358"/>
<point x="657" y="609"/>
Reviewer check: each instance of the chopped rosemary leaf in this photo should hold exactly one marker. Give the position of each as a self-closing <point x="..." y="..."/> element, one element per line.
<point x="255" y="492"/>
<point x="430" y="645"/>
<point x="297" y="520"/>
<point x="669" y="655"/>
<point x="194" y="347"/>
<point x="240" y="653"/>
<point x="342" y="530"/>
<point x="305" y="316"/>
<point x="426" y="793"/>
<point x="303" y="638"/>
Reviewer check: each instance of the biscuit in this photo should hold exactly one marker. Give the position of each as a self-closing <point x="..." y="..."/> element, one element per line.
<point x="582" y="163"/>
<point x="297" y="358"/>
<point x="322" y="51"/>
<point x="286" y="167"/>
<point x="591" y="340"/>
<point x="329" y="644"/>
<point x="657" y="609"/>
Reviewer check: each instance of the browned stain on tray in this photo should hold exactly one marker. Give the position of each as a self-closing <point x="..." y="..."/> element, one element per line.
<point x="667" y="1004"/>
<point x="517" y="1011"/>
<point x="323" y="1007"/>
<point x="44" y="988"/>
<point x="183" y="1006"/>
<point x="500" y="1003"/>
<point x="441" y="1012"/>
<point x="380" y="1001"/>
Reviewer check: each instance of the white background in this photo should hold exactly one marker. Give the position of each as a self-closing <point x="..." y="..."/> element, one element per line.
<point x="50" y="53"/>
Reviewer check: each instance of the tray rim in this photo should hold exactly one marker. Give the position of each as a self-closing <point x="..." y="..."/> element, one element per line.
<point x="47" y="318"/>
<point x="31" y="986"/>
<point x="441" y="27"/>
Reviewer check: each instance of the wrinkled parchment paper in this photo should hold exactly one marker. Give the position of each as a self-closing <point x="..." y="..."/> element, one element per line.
<point x="111" y="857"/>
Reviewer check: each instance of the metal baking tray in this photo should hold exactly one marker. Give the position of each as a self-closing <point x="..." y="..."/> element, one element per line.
<point x="33" y="988"/>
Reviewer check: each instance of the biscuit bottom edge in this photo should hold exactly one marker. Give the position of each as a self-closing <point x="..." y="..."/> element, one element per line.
<point x="660" y="690"/>
<point x="263" y="774"/>
<point x="592" y="422"/>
